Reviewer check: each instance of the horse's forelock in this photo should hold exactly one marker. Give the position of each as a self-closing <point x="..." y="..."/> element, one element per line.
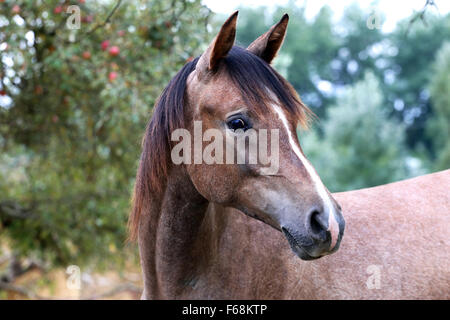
<point x="259" y="83"/>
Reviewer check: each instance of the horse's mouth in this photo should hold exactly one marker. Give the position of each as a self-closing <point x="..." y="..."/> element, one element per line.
<point x="299" y="250"/>
<point x="302" y="254"/>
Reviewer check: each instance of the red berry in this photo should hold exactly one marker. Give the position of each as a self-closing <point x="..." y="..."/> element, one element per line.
<point x="87" y="19"/>
<point x="57" y="10"/>
<point x="15" y="9"/>
<point x="38" y="90"/>
<point x="105" y="45"/>
<point x="114" y="51"/>
<point x="86" y="55"/>
<point x="121" y="33"/>
<point x="112" y="76"/>
<point x="2" y="93"/>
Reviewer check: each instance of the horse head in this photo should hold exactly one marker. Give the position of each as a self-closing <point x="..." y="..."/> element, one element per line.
<point x="233" y="91"/>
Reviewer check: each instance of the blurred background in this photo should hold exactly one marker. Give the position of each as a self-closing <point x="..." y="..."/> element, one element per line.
<point x="78" y="80"/>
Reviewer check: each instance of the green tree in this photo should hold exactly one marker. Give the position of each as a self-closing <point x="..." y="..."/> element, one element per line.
<point x="438" y="127"/>
<point x="73" y="108"/>
<point x="357" y="47"/>
<point x="313" y="50"/>
<point x="410" y="67"/>
<point x="252" y="23"/>
<point x="311" y="46"/>
<point x="360" y="146"/>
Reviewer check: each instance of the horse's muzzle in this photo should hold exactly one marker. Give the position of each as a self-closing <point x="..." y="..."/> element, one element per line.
<point x="313" y="242"/>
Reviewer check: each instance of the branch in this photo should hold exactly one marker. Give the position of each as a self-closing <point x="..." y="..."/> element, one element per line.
<point x="10" y="287"/>
<point x="12" y="209"/>
<point x="421" y="14"/>
<point x="16" y="269"/>
<point x="108" y="18"/>
<point x="114" y="291"/>
<point x="4" y="259"/>
<point x="4" y="286"/>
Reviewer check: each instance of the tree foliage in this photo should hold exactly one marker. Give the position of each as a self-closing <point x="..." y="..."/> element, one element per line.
<point x="360" y="146"/>
<point x="74" y="104"/>
<point x="415" y="46"/>
<point x="438" y="127"/>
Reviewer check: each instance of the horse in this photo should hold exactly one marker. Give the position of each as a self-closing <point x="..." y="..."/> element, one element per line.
<point x="229" y="231"/>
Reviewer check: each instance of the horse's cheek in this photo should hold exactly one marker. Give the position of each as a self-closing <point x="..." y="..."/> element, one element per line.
<point x="217" y="188"/>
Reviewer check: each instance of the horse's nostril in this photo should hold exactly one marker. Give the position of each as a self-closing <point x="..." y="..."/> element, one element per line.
<point x="314" y="224"/>
<point x="317" y="226"/>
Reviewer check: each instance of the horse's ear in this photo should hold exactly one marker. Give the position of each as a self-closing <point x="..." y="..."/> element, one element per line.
<point x="220" y="46"/>
<point x="268" y="44"/>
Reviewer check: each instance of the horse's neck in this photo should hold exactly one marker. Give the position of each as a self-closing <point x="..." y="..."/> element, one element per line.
<point x="168" y="237"/>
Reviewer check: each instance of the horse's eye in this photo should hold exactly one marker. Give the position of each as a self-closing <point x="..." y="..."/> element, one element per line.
<point x="237" y="123"/>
